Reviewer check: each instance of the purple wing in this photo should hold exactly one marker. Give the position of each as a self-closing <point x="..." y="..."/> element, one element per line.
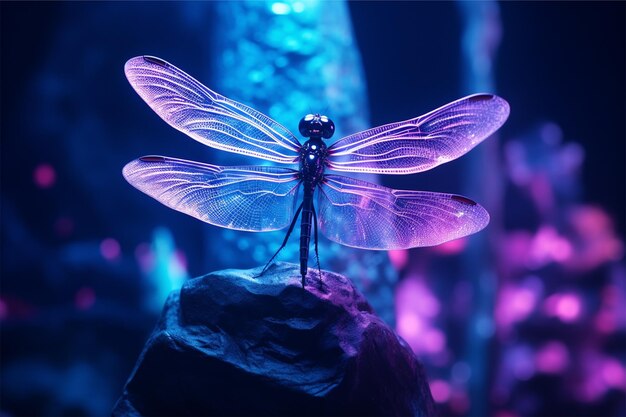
<point x="368" y="216"/>
<point x="421" y="143"/>
<point x="251" y="198"/>
<point x="206" y="116"/>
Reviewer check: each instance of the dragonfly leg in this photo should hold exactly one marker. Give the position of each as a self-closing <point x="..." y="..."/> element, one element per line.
<point x="317" y="255"/>
<point x="293" y="223"/>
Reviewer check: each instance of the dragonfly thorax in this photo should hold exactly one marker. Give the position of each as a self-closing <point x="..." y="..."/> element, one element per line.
<point x="313" y="160"/>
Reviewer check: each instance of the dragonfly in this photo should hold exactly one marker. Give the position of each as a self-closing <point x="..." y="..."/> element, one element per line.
<point x="346" y="210"/>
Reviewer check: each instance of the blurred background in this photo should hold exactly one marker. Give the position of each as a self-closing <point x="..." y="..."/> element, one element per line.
<point x="526" y="318"/>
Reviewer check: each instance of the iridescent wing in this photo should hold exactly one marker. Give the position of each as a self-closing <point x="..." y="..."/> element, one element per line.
<point x="206" y="116"/>
<point x="369" y="216"/>
<point x="251" y="198"/>
<point x="421" y="143"/>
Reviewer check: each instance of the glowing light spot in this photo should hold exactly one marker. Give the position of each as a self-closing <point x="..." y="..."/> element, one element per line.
<point x="434" y="340"/>
<point x="398" y="258"/>
<point x="605" y="322"/>
<point x="298" y="7"/>
<point x="145" y="257"/>
<point x="255" y="76"/>
<point x="451" y="247"/>
<point x="110" y="249"/>
<point x="552" y="358"/>
<point x="409" y="326"/>
<point x="280" y="8"/>
<point x="515" y="304"/>
<point x="461" y="372"/>
<point x="314" y="147"/>
<point x="84" y="298"/>
<point x="523" y="363"/>
<point x="311" y="156"/>
<point x="440" y="390"/>
<point x="484" y="327"/>
<point x="567" y="307"/>
<point x="44" y="176"/>
<point x="613" y="373"/>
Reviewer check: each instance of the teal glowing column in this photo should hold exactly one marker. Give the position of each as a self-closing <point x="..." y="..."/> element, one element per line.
<point x="287" y="59"/>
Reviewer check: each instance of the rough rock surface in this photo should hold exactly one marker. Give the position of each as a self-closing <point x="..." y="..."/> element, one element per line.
<point x="232" y="343"/>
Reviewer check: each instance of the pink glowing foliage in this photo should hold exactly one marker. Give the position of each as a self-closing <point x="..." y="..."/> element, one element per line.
<point x="416" y="307"/>
<point x="516" y="303"/>
<point x="548" y="246"/>
<point x="595" y="239"/>
<point x="601" y="374"/>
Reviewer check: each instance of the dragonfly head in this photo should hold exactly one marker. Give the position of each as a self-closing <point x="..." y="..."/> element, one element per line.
<point x="316" y="125"/>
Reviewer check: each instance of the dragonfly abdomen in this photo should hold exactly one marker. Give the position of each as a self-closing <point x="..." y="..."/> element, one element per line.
<point x="305" y="230"/>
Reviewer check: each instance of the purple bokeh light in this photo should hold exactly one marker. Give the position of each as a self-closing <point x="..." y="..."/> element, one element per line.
<point x="110" y="249"/>
<point x="44" y="176"/>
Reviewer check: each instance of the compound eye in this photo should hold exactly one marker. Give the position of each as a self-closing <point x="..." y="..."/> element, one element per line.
<point x="328" y="128"/>
<point x="305" y="125"/>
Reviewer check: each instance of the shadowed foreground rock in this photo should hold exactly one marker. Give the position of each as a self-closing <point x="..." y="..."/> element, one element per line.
<point x="233" y="344"/>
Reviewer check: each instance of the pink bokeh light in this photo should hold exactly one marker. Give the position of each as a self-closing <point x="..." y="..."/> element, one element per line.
<point x="614" y="374"/>
<point x="548" y="246"/>
<point x="515" y="304"/>
<point x="399" y="258"/>
<point x="565" y="306"/>
<point x="110" y="249"/>
<point x="452" y="247"/>
<point x="410" y="327"/>
<point x="440" y="390"/>
<point x="433" y="340"/>
<point x="44" y="176"/>
<point x="84" y="298"/>
<point x="416" y="307"/>
<point x="552" y="358"/>
<point x="145" y="257"/>
<point x="595" y="237"/>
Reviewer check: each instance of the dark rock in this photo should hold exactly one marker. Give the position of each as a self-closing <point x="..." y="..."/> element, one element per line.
<point x="232" y="343"/>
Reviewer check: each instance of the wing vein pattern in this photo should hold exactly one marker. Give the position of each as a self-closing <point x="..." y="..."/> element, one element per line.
<point x="250" y="198"/>
<point x="421" y="143"/>
<point x="208" y="117"/>
<point x="364" y="215"/>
